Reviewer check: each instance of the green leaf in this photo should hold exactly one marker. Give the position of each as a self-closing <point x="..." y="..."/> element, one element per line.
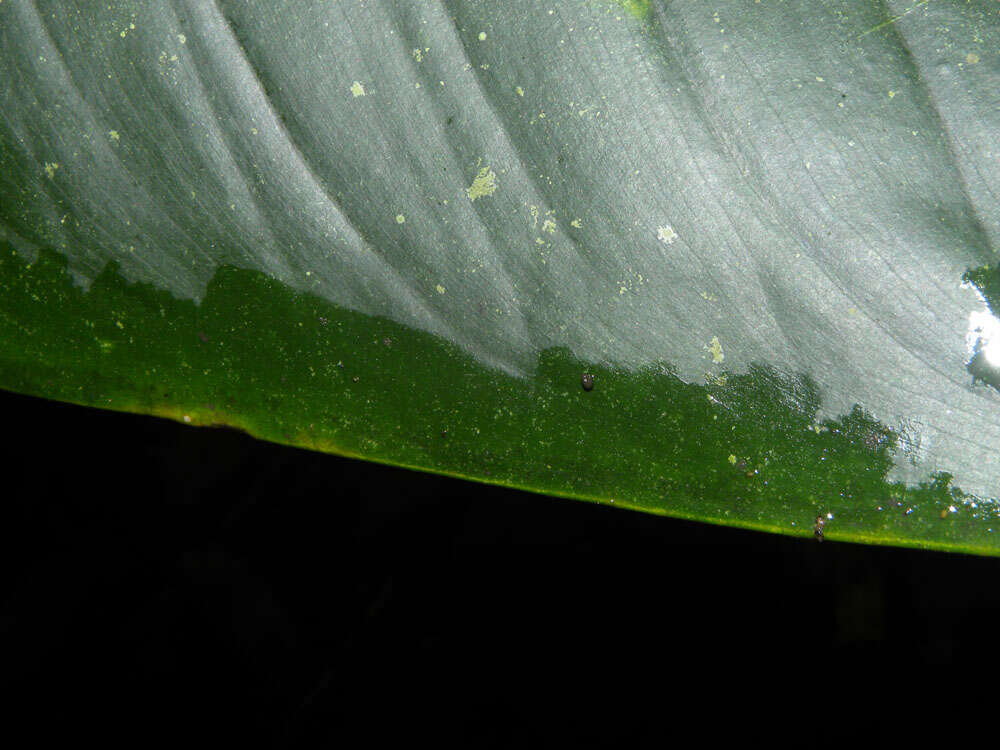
<point x="734" y="262"/>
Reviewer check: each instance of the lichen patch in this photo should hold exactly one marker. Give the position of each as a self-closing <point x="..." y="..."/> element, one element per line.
<point x="484" y="184"/>
<point x="666" y="234"/>
<point x="715" y="349"/>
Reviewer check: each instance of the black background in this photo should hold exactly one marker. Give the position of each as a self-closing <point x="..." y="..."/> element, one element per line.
<point x="180" y="577"/>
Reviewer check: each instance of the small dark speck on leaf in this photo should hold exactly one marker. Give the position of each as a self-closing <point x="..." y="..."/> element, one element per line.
<point x="323" y="321"/>
<point x="587" y="381"/>
<point x="203" y="337"/>
<point x="387" y="341"/>
<point x="444" y="433"/>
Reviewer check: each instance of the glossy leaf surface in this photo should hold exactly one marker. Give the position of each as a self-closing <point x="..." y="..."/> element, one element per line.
<point x="734" y="263"/>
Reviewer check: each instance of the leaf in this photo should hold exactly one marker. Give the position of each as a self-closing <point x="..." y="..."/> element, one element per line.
<point x="734" y="263"/>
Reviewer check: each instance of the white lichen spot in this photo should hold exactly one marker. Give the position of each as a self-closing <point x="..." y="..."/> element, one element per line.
<point x="400" y="219"/>
<point x="357" y="89"/>
<point x="972" y="58"/>
<point x="549" y="226"/>
<point x="715" y="349"/>
<point x="50" y="169"/>
<point x="519" y="91"/>
<point x="182" y="39"/>
<point x="575" y="224"/>
<point x="820" y="79"/>
<point x="114" y="135"/>
<point x="482" y="36"/>
<point x="666" y="234"/>
<point x="440" y="289"/>
<point x="484" y="184"/>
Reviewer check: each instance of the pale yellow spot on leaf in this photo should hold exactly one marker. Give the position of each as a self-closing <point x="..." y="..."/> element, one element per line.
<point x="114" y="135"/>
<point x="400" y="219"/>
<point x="50" y="169"/>
<point x="972" y="58"/>
<point x="440" y="289"/>
<point x="357" y="89"/>
<point x="732" y="458"/>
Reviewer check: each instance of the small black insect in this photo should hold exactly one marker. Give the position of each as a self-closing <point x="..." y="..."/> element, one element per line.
<point x="818" y="528"/>
<point x="587" y="381"/>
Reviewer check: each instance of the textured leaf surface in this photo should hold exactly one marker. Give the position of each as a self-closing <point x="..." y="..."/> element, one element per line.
<point x="405" y="231"/>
